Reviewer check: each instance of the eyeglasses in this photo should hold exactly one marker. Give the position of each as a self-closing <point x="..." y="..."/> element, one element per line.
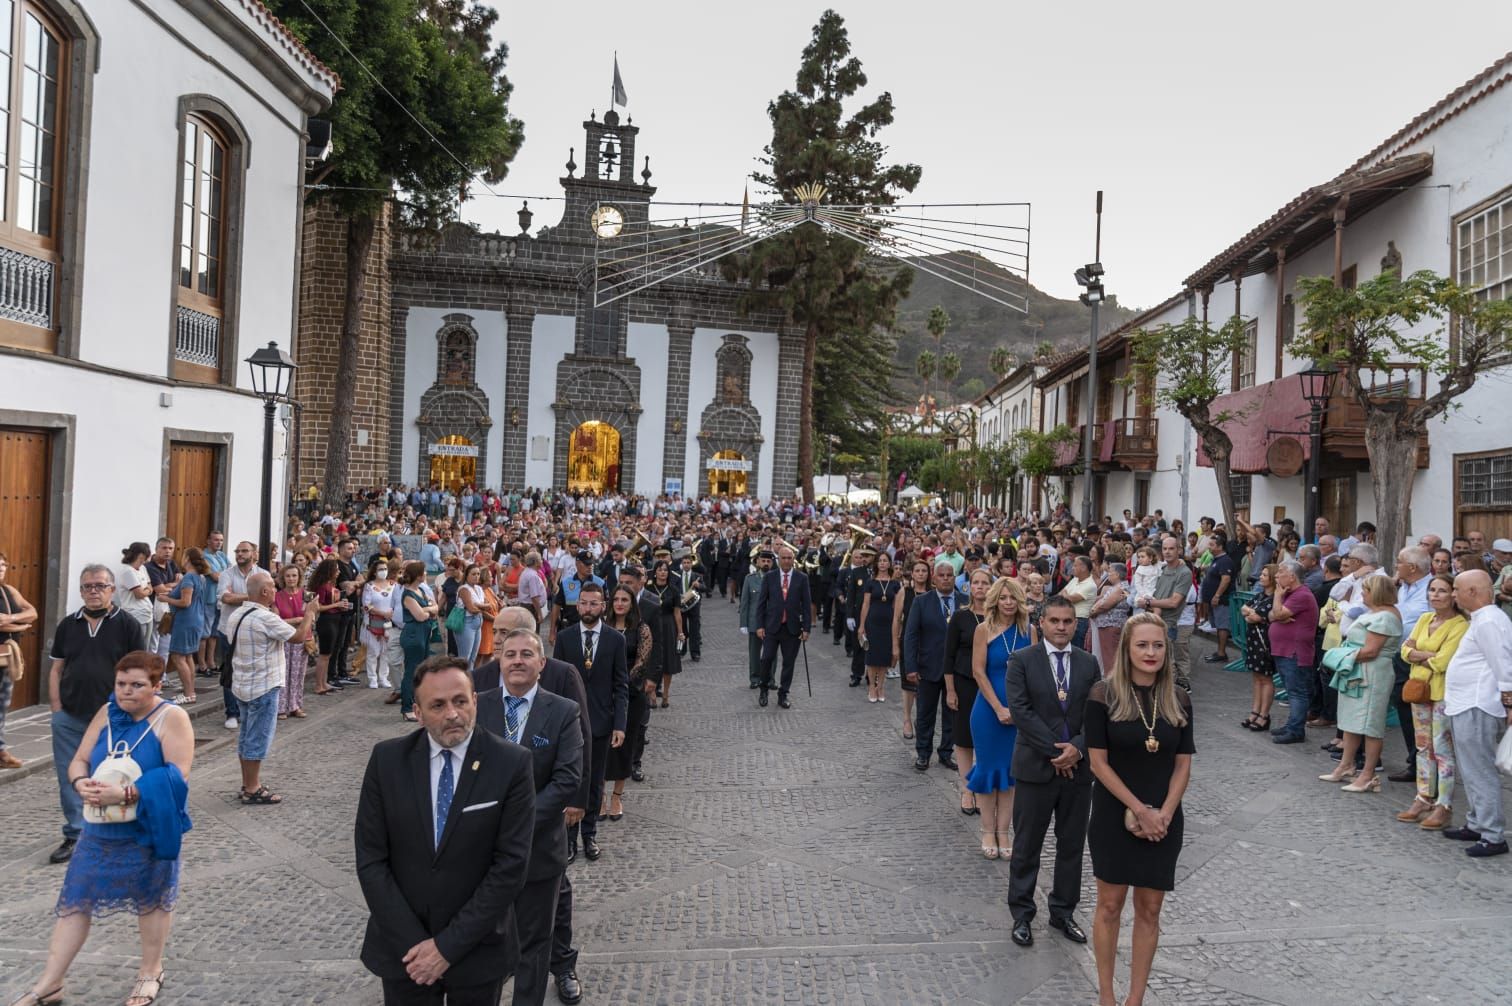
<point x="95" y="588"/>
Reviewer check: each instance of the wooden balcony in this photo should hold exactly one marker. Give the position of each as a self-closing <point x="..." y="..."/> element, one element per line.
<point x="1133" y="447"/>
<point x="1344" y="420"/>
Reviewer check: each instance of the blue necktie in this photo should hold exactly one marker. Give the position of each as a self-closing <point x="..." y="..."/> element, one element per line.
<point x="512" y="720"/>
<point x="444" y="790"/>
<point x="946" y="607"/>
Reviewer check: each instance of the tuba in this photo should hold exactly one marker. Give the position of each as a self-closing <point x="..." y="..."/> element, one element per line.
<point x="639" y="542"/>
<point x="859" y="538"/>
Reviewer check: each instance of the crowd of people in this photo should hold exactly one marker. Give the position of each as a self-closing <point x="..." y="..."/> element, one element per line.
<point x="1046" y="663"/>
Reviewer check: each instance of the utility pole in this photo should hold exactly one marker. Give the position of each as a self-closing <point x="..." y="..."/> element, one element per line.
<point x="1090" y="278"/>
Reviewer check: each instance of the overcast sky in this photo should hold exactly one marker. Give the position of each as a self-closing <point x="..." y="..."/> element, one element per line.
<point x="1198" y="120"/>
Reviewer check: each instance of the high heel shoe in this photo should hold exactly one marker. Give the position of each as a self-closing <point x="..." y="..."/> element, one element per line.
<point x="1372" y="785"/>
<point x="612" y="801"/>
<point x="53" y="998"/>
<point x="1337" y="776"/>
<point x="989" y="851"/>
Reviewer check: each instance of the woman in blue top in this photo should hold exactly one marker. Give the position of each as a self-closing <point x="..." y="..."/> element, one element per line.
<point x="187" y="601"/>
<point x="1005" y="629"/>
<point x="130" y="864"/>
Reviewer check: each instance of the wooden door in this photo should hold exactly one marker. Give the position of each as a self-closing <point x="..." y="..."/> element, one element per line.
<point x="1337" y="503"/>
<point x="192" y="478"/>
<point x="25" y="468"/>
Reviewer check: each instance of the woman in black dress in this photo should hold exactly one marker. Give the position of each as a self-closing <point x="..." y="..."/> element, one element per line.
<point x="671" y="625"/>
<point x="624" y="617"/>
<point x="960" y="683"/>
<point x="876" y="625"/>
<point x="1138" y="728"/>
<point x="1257" y="654"/>
<point x="918" y="583"/>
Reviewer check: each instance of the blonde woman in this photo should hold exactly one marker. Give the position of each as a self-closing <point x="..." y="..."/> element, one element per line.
<point x="1138" y="727"/>
<point x="1428" y="649"/>
<point x="1365" y="687"/>
<point x="1004" y="629"/>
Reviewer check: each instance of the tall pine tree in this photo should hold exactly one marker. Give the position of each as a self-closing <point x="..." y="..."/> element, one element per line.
<point x="435" y="60"/>
<point x="818" y="279"/>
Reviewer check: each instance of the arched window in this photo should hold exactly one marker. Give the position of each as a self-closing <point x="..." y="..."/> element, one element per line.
<point x="213" y="156"/>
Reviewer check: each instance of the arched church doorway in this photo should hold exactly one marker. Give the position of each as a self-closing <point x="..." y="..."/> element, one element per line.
<point x="727" y="473"/>
<point x="454" y="462"/>
<point x="593" y="459"/>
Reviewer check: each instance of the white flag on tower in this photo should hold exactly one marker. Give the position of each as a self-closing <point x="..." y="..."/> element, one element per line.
<point x="619" y="98"/>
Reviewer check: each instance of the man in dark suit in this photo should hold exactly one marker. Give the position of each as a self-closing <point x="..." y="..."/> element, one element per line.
<point x="598" y="652"/>
<point x="1047" y="688"/>
<point x="443" y="836"/>
<point x="610" y="565"/>
<point x="562" y="679"/>
<point x="783" y="613"/>
<point x="525" y="713"/>
<point x="924" y="646"/>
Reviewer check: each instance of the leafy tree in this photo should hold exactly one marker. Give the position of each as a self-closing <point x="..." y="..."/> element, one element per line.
<point x="817" y="278"/>
<point x="853" y="385"/>
<point x="1044" y="349"/>
<point x="939" y="321"/>
<point x="1185" y="366"/>
<point x="1037" y="455"/>
<point x="436" y="60"/>
<point x="926" y="365"/>
<point x="1388" y="321"/>
<point x="972" y="389"/>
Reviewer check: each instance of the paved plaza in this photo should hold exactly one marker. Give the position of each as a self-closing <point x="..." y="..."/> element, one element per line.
<point x="798" y="857"/>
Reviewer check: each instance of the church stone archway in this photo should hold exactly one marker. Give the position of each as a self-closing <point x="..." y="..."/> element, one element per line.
<point x="594" y="461"/>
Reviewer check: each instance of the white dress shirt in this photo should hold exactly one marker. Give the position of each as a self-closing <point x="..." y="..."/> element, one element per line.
<point x="458" y="753"/>
<point x="1481" y="669"/>
<point x="530" y="698"/>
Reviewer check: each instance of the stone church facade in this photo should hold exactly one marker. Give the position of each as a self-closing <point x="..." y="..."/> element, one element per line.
<point x="498" y="369"/>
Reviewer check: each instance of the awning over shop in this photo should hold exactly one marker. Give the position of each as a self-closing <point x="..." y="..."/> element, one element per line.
<point x="1260" y="416"/>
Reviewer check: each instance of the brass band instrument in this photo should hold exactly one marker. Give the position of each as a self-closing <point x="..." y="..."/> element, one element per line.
<point x="859" y="537"/>
<point x="690" y="599"/>
<point x="637" y="543"/>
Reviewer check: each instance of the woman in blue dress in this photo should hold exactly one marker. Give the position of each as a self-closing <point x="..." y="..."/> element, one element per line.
<point x="127" y="859"/>
<point x="188" y="621"/>
<point x="1005" y="629"/>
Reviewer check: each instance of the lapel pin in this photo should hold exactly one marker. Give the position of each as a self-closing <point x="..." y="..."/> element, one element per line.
<point x="475" y="765"/>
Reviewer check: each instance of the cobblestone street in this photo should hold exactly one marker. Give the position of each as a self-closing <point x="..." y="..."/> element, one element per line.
<point x="796" y="856"/>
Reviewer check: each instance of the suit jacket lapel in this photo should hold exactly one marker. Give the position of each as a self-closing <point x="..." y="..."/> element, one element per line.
<point x="419" y="773"/>
<point x="466" y="774"/>
<point x="535" y="719"/>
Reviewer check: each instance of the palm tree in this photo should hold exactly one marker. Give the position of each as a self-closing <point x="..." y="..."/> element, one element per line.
<point x="950" y="369"/>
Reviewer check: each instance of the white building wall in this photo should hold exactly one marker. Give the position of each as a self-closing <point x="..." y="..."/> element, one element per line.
<point x="647" y="345"/>
<point x="701" y="391"/>
<point x="421" y="326"/>
<point x="551" y="338"/>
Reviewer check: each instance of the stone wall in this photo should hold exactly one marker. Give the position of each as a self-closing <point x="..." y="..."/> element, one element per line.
<point x="322" y="300"/>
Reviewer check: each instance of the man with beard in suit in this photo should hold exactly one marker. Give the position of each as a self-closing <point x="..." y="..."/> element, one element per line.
<point x="1047" y="688"/>
<point x="598" y="652"/>
<point x="924" y="643"/>
<point x="527" y="714"/>
<point x="443" y="837"/>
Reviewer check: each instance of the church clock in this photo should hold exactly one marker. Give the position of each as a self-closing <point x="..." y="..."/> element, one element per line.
<point x="607" y="221"/>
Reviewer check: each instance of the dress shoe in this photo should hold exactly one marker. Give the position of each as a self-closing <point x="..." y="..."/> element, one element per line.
<point x="922" y="764"/>
<point x="1484" y="848"/>
<point x="64" y="852"/>
<point x="1458" y="834"/>
<point x="571" y="852"/>
<point x="1286" y="738"/>
<point x="569" y="989"/>
<point x="1069" y="929"/>
<point x="1407" y="774"/>
<point x="761" y="700"/>
<point x="636" y="775"/>
<point x="591" y="849"/>
<point x="1438" y="819"/>
<point x="783" y="703"/>
<point x="1022" y="934"/>
<point x="948" y="761"/>
<point x="755" y="685"/>
<point x="855" y="682"/>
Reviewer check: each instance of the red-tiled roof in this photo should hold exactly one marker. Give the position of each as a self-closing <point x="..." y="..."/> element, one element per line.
<point x="290" y="42"/>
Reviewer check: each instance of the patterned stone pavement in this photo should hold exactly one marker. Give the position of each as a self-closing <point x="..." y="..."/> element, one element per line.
<point x="797" y="857"/>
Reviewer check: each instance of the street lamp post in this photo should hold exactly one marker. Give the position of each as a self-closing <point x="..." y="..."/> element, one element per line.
<point x="1089" y="277"/>
<point x="271" y="372"/>
<point x="1317" y="387"/>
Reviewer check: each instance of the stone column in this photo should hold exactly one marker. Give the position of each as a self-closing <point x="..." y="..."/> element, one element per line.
<point x="787" y="413"/>
<point x="520" y="319"/>
<point x="679" y="362"/>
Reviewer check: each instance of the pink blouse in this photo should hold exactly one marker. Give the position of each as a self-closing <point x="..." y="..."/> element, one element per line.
<point x="289" y="605"/>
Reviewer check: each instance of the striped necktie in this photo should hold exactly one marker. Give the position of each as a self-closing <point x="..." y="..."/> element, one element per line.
<point x="512" y="718"/>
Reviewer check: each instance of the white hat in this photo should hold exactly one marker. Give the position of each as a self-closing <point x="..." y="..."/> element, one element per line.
<point x="1502" y="545"/>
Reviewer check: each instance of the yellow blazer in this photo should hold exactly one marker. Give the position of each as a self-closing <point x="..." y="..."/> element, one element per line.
<point x="1442" y="644"/>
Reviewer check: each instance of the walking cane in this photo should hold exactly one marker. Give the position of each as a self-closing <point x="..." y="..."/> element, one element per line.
<point x="804" y="646"/>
